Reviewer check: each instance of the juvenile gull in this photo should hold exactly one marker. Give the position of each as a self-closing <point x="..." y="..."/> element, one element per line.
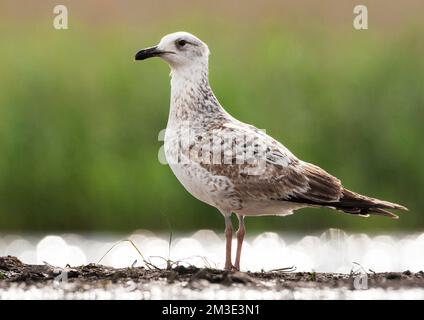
<point x="234" y="166"/>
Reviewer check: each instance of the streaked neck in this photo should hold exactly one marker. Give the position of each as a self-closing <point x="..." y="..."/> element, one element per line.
<point x="191" y="95"/>
<point x="189" y="78"/>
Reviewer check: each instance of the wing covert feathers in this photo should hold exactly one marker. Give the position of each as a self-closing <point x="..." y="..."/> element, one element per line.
<point x="286" y="178"/>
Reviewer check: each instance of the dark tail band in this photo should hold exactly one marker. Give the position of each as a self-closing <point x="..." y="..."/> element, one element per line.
<point x="354" y="203"/>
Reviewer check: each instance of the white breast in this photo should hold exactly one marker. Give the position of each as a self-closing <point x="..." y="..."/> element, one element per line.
<point x="217" y="191"/>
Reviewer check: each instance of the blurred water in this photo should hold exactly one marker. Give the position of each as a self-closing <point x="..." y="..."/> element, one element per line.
<point x="160" y="290"/>
<point x="330" y="251"/>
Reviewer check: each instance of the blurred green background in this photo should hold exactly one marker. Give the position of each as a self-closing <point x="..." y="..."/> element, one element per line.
<point x="79" y="119"/>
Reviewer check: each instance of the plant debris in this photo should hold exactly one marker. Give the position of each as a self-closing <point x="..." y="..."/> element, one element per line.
<point x="12" y="270"/>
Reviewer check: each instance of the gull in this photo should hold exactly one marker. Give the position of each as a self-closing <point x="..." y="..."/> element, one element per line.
<point x="233" y="166"/>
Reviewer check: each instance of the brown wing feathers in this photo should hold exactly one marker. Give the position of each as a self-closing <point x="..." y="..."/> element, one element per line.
<point x="326" y="190"/>
<point x="355" y="203"/>
<point x="323" y="187"/>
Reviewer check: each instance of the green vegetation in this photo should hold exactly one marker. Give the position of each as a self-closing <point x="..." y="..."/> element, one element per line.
<point x="79" y="122"/>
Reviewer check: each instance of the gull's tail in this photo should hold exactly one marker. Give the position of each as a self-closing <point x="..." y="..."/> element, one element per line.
<point x="355" y="203"/>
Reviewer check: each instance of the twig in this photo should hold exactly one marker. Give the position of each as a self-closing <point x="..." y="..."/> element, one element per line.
<point x="360" y="266"/>
<point x="285" y="269"/>
<point x="148" y="264"/>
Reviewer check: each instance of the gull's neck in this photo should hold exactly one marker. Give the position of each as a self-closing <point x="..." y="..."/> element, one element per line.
<point x="192" y="98"/>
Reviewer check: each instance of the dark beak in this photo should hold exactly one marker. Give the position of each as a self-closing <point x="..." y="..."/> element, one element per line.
<point x="148" y="53"/>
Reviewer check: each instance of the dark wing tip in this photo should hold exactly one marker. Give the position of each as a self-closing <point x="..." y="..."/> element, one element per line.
<point x="400" y="207"/>
<point x="382" y="212"/>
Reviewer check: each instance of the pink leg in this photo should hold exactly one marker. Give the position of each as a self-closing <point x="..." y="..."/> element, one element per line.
<point x="229" y="238"/>
<point x="240" y="237"/>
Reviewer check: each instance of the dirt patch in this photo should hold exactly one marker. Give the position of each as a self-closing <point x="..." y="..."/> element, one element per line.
<point x="13" y="271"/>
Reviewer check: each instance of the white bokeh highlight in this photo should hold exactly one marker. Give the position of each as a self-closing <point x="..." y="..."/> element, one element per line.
<point x="330" y="251"/>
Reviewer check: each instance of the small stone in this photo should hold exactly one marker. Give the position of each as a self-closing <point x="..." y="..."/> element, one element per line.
<point x="393" y="276"/>
<point x="407" y="273"/>
<point x="9" y="263"/>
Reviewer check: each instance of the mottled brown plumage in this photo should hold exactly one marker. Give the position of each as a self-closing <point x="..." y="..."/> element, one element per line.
<point x="232" y="165"/>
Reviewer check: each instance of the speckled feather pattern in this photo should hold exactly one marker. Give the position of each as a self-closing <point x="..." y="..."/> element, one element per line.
<point x="285" y="182"/>
<point x="227" y="186"/>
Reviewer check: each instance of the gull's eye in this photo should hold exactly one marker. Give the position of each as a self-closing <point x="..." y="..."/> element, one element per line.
<point x="181" y="43"/>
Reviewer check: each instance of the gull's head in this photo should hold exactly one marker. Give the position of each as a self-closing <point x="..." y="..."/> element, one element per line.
<point x="179" y="49"/>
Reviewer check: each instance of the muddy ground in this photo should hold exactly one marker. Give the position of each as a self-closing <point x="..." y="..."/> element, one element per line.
<point x="15" y="274"/>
